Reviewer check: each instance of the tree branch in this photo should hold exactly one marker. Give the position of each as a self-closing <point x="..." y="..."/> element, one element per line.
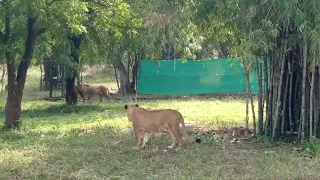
<point x="47" y="41"/>
<point x="40" y="31"/>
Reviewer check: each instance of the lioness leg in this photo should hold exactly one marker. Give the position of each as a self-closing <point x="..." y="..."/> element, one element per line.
<point x="173" y="138"/>
<point x="145" y="139"/>
<point x="100" y="95"/>
<point x="178" y="137"/>
<point x="137" y="135"/>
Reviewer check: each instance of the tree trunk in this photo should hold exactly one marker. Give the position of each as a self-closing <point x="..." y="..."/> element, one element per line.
<point x="290" y="97"/>
<point x="135" y="69"/>
<point x="116" y="75"/>
<point x="311" y="104"/>
<point x="284" y="108"/>
<point x="16" y="83"/>
<point x="223" y="50"/>
<point x="276" y="120"/>
<point x="50" y="79"/>
<point x="269" y="96"/>
<point x="62" y="82"/>
<point x="247" y="108"/>
<point x="260" y="107"/>
<point x="246" y="73"/>
<point x="317" y="105"/>
<point x="71" y="94"/>
<point x="124" y="81"/>
<point x="41" y="75"/>
<point x="304" y="79"/>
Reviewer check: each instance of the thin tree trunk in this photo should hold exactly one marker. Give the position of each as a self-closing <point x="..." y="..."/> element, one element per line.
<point x="260" y="107"/>
<point x="316" y="105"/>
<point x="246" y="72"/>
<point x="269" y="96"/>
<point x="62" y="82"/>
<point x="311" y="104"/>
<point x="41" y="75"/>
<point x="266" y="89"/>
<point x="116" y="76"/>
<point x="290" y="97"/>
<point x="275" y="126"/>
<point x="284" y="108"/>
<point x="247" y="108"/>
<point x="276" y="121"/>
<point x="135" y="68"/>
<point x="128" y="66"/>
<point x="304" y="79"/>
<point x="51" y="80"/>
<point x="275" y="87"/>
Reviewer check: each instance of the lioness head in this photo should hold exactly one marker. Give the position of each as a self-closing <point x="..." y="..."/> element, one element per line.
<point x="129" y="109"/>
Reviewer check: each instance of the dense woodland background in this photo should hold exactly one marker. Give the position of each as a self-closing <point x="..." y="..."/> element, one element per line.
<point x="277" y="38"/>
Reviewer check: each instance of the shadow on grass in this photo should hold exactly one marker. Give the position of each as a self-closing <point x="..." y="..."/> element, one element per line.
<point x="64" y="109"/>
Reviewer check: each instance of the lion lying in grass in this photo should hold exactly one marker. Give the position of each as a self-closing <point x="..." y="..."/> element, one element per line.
<point x="146" y="122"/>
<point x="92" y="90"/>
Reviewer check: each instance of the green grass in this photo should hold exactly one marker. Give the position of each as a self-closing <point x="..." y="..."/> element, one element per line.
<point x="51" y="144"/>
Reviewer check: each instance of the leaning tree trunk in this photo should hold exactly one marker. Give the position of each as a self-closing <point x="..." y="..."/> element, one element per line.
<point x="71" y="94"/>
<point x="16" y="83"/>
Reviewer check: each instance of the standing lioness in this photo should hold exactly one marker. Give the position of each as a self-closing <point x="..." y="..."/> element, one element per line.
<point x="145" y="122"/>
<point x="86" y="90"/>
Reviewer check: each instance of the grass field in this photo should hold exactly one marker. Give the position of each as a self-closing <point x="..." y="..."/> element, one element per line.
<point x="94" y="141"/>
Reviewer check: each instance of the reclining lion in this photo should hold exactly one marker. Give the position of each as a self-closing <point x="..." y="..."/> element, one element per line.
<point x="92" y="90"/>
<point x="146" y="122"/>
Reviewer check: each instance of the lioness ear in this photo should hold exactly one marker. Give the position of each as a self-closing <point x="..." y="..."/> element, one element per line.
<point x="125" y="106"/>
<point x="137" y="105"/>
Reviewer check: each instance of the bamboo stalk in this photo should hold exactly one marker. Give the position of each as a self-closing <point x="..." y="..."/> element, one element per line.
<point x="283" y="123"/>
<point x="276" y="121"/>
<point x="246" y="72"/>
<point x="304" y="79"/>
<point x="316" y="112"/>
<point x="311" y="104"/>
<point x="260" y="108"/>
<point x="266" y="79"/>
<point x="247" y="108"/>
<point x="290" y="97"/>
<point x="271" y="96"/>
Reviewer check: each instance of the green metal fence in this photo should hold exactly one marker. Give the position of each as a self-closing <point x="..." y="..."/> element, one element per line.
<point x="174" y="77"/>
